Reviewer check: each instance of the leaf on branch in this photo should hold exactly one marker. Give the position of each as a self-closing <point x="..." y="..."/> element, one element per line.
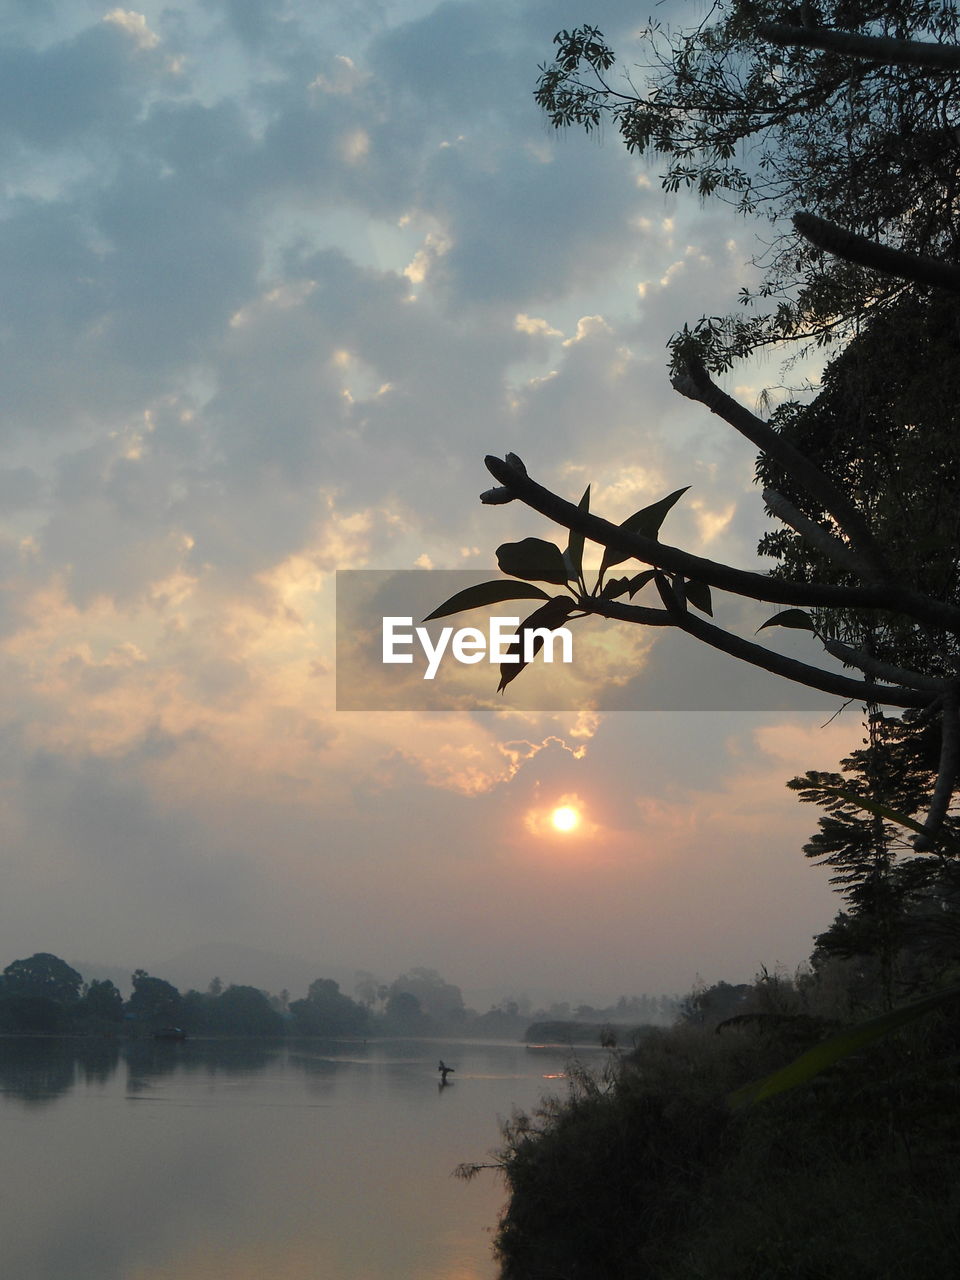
<point x="533" y="558"/>
<point x="485" y="593"/>
<point x="798" y="619"/>
<point x="575" y="543"/>
<point x="698" y="594"/>
<point x="615" y="587"/>
<point x="620" y="586"/>
<point x="641" y="580"/>
<point x="548" y="617"/>
<point x="646" y="522"/>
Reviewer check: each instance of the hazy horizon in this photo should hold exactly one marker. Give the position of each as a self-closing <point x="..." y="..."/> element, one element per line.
<point x="244" y="967"/>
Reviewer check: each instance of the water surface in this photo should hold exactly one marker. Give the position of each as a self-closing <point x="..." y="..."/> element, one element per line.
<point x="234" y="1160"/>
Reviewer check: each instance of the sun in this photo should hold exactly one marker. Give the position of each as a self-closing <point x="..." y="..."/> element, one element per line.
<point x="565" y="818"/>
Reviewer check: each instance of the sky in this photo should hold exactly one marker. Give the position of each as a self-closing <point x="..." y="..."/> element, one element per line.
<point x="276" y="277"/>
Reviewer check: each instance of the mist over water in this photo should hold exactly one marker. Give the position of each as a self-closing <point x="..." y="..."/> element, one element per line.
<point x="308" y="1160"/>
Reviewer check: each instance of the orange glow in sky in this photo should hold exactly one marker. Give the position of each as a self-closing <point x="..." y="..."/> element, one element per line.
<point x="565" y="818"/>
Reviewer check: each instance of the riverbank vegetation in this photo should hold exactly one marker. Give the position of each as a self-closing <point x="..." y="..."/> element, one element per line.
<point x="644" y="1170"/>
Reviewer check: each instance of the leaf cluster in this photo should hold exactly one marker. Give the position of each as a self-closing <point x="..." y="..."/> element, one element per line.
<point x="537" y="560"/>
<point x="870" y="145"/>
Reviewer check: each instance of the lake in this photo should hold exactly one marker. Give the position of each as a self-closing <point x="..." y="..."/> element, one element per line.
<point x="237" y="1160"/>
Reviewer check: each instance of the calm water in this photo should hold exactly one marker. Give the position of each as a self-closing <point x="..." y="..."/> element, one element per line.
<point x="235" y="1161"/>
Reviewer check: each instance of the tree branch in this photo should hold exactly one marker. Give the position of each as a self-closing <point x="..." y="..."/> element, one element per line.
<point x="883" y="670"/>
<point x="758" y="656"/>
<point x="819" y="538"/>
<point x="946" y="774"/>
<point x="886" y="49"/>
<point x="878" y="257"/>
<point x="696" y="384"/>
<point x="754" y="586"/>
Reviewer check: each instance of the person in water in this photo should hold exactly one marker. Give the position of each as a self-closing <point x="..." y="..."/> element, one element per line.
<point x="444" y="1071"/>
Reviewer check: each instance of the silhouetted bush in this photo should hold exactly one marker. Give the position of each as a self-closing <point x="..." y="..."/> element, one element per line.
<point x="645" y="1172"/>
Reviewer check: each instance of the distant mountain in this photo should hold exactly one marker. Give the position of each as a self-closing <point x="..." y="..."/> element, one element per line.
<point x="272" y="971"/>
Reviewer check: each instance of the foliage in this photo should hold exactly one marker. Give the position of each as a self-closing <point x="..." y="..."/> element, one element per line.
<point x="43" y="975"/>
<point x="836" y="1048"/>
<point x="706" y="1006"/>
<point x="774" y="127"/>
<point x="153" y="1001"/>
<point x="543" y="561"/>
<point x="31" y="1015"/>
<point x="593" y="1184"/>
<point x="439" y="999"/>
<point x="895" y="764"/>
<point x="643" y="1172"/>
<point x="884" y="427"/>
<point x="327" y="1012"/>
<point x="233" y="1011"/>
<point x="102" y="1001"/>
<point x="404" y="1016"/>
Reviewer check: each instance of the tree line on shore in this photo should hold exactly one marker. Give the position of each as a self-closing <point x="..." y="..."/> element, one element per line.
<point x="43" y="994"/>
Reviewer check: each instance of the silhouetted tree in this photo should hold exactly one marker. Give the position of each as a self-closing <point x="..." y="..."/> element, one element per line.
<point x="101" y="1000"/>
<point x="153" y="1001"/>
<point x="34" y="1015"/>
<point x="404" y="1015"/>
<point x="244" y="1011"/>
<point x="43" y="975"/>
<point x="439" y="999"/>
<point x="326" y="1011"/>
<point x="762" y="112"/>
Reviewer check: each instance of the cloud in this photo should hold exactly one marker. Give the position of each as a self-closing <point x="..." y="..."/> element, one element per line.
<point x="61" y="93"/>
<point x="135" y="25"/>
<point x="274" y="283"/>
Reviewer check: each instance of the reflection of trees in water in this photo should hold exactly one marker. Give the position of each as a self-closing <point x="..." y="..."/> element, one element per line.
<point x="97" y="1060"/>
<point x="152" y="1059"/>
<point x="40" y="1070"/>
